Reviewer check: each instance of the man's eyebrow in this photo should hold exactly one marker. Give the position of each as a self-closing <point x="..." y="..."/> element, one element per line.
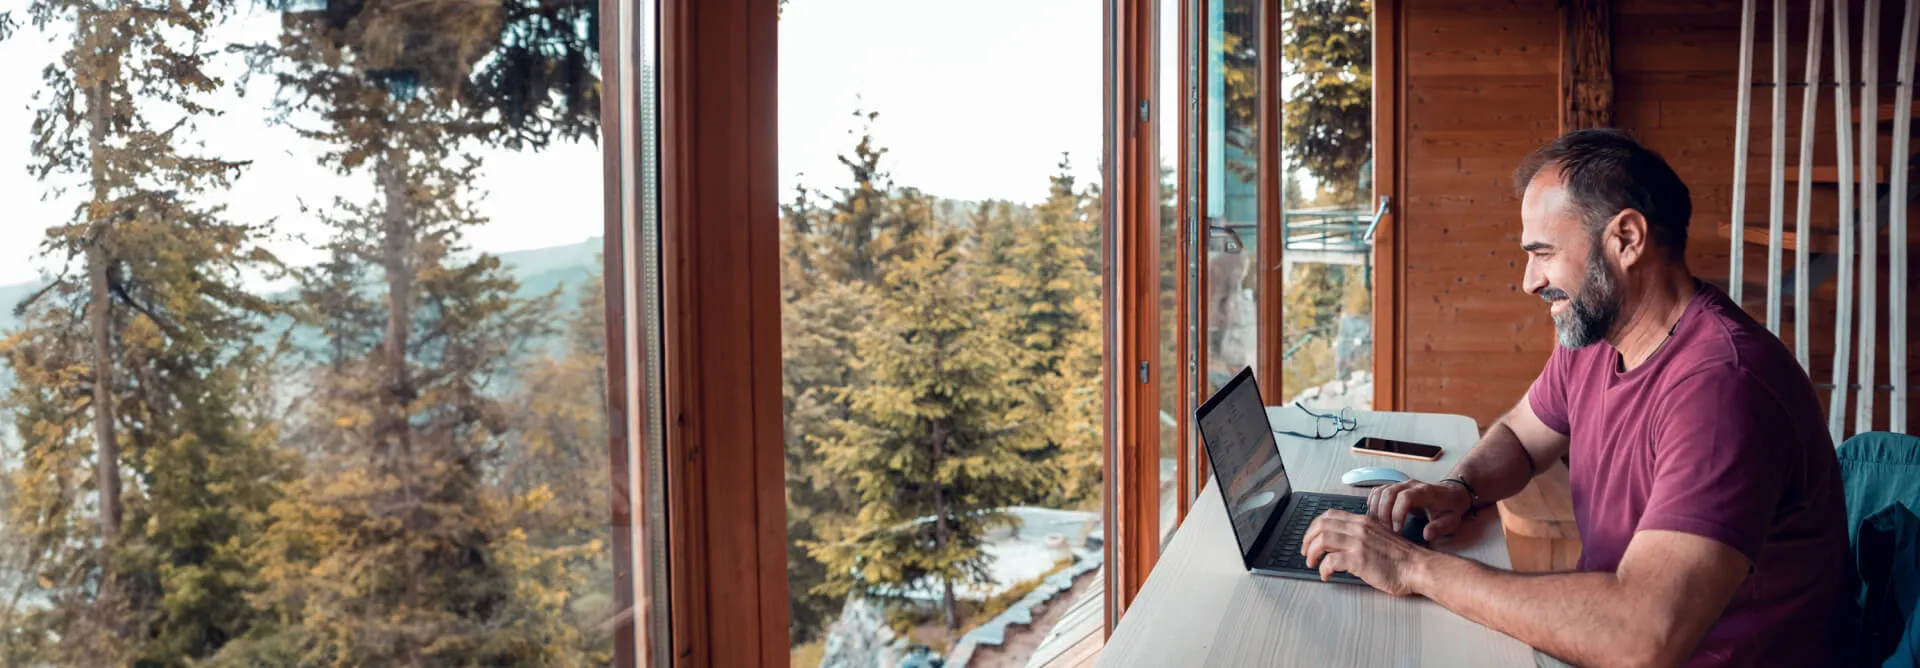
<point x="1537" y="246"/>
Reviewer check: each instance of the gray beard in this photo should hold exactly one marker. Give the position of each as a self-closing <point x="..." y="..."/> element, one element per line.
<point x="1592" y="312"/>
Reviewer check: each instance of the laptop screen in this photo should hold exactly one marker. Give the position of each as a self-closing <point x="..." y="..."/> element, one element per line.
<point x="1246" y="462"/>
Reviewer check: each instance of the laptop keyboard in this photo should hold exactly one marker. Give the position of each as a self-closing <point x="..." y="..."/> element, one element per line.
<point x="1287" y="555"/>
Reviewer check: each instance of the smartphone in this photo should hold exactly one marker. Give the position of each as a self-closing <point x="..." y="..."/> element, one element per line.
<point x="1381" y="446"/>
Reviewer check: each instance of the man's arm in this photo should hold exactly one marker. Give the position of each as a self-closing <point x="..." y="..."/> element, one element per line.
<point x="1652" y="611"/>
<point x="1517" y="447"/>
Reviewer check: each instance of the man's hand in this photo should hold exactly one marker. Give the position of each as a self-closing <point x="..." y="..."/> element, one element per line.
<point x="1365" y="547"/>
<point x="1446" y="505"/>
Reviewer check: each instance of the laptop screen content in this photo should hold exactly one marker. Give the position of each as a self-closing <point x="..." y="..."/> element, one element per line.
<point x="1233" y="425"/>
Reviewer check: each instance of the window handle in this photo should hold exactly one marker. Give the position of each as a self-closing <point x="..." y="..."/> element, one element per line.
<point x="1386" y="204"/>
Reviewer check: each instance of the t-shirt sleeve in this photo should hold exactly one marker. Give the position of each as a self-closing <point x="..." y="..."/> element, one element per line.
<point x="1720" y="460"/>
<point x="1548" y="396"/>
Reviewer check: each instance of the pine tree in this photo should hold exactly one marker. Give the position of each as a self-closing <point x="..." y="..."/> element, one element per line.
<point x="862" y="228"/>
<point x="818" y="318"/>
<point x="817" y="332"/>
<point x="834" y="256"/>
<point x="137" y="372"/>
<point x="406" y="551"/>
<point x="1074" y="423"/>
<point x="558" y="452"/>
<point x="994" y="224"/>
<point x="1047" y="268"/>
<point x="929" y="441"/>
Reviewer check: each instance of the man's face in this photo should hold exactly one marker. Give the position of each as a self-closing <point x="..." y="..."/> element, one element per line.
<point x="1565" y="265"/>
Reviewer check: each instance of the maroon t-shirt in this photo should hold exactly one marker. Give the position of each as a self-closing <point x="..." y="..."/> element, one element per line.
<point x="1718" y="435"/>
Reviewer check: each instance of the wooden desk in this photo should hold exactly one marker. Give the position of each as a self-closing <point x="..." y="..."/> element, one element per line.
<point x="1200" y="606"/>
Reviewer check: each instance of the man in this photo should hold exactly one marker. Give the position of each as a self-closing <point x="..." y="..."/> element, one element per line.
<point x="1706" y="488"/>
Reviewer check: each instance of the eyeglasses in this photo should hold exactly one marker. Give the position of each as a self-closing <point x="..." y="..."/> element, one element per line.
<point x="1325" y="426"/>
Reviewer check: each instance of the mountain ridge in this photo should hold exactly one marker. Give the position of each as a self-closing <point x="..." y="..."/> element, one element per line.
<point x="539" y="271"/>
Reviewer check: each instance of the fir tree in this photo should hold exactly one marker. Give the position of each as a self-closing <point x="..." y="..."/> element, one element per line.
<point x="406" y="552"/>
<point x="557" y="464"/>
<point x="1046" y="270"/>
<point x="993" y="224"/>
<point x="862" y="227"/>
<point x="929" y="442"/>
<point x="1074" y="423"/>
<point x="137" y="372"/>
<point x="817" y="332"/>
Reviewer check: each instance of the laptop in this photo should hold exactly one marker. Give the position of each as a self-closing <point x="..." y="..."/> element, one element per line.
<point x="1268" y="517"/>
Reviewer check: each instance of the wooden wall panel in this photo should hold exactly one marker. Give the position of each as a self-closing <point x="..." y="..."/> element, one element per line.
<point x="1482" y="81"/>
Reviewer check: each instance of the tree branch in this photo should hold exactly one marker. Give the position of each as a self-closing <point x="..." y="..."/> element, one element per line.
<point x="121" y="291"/>
<point x="20" y="309"/>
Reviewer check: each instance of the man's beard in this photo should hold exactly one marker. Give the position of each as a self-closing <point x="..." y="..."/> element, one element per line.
<point x="1591" y="313"/>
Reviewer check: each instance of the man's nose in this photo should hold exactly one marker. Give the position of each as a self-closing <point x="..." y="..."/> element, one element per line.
<point x="1534" y="280"/>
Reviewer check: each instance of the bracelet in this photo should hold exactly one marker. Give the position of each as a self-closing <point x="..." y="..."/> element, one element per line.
<point x="1473" y="497"/>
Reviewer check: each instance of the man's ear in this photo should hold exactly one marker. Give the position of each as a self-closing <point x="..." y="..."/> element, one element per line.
<point x="1626" y="237"/>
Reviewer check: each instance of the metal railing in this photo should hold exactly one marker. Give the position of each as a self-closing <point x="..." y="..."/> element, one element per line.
<point x="1333" y="230"/>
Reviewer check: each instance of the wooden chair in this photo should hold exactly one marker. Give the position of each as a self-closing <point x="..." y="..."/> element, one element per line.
<point x="1541" y="533"/>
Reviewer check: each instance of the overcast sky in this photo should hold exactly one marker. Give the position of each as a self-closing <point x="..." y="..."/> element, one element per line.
<point x="977" y="99"/>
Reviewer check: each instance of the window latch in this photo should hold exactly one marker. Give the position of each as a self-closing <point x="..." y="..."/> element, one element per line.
<point x="1143" y="373"/>
<point x="1385" y="206"/>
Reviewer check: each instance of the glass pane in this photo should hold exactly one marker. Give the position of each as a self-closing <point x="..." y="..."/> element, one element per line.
<point x="941" y="323"/>
<point x="1169" y="122"/>
<point x="1327" y="263"/>
<point x="1232" y="206"/>
<point x="309" y="355"/>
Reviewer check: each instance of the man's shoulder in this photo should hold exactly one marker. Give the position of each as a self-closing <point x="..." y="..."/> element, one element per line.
<point x="1724" y="343"/>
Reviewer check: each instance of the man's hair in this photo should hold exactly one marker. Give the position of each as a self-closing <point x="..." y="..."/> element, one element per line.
<point x="1606" y="172"/>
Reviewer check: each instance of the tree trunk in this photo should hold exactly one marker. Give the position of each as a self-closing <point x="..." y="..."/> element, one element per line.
<point x="940" y="529"/>
<point x="396" y="244"/>
<point x="99" y="314"/>
<point x="397" y="433"/>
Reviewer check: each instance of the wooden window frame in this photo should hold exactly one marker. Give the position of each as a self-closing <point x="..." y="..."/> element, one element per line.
<point x="1389" y="154"/>
<point x="720" y="315"/>
<point x="1269" y="334"/>
<point x="1131" y="280"/>
<point x="1131" y="283"/>
<point x="1193" y="34"/>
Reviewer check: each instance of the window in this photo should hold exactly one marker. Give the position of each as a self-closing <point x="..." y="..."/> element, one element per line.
<point x="1232" y="76"/>
<point x="940" y="259"/>
<point x="1327" y="261"/>
<point x="304" y="339"/>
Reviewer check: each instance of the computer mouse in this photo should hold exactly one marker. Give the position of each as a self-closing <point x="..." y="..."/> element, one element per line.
<point x="1372" y="476"/>
<point x="1415" y="528"/>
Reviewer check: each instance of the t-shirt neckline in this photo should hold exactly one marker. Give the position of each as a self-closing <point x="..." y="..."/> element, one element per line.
<point x="1700" y="289"/>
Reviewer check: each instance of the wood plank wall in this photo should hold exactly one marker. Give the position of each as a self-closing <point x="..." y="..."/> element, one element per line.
<point x="1482" y="90"/>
